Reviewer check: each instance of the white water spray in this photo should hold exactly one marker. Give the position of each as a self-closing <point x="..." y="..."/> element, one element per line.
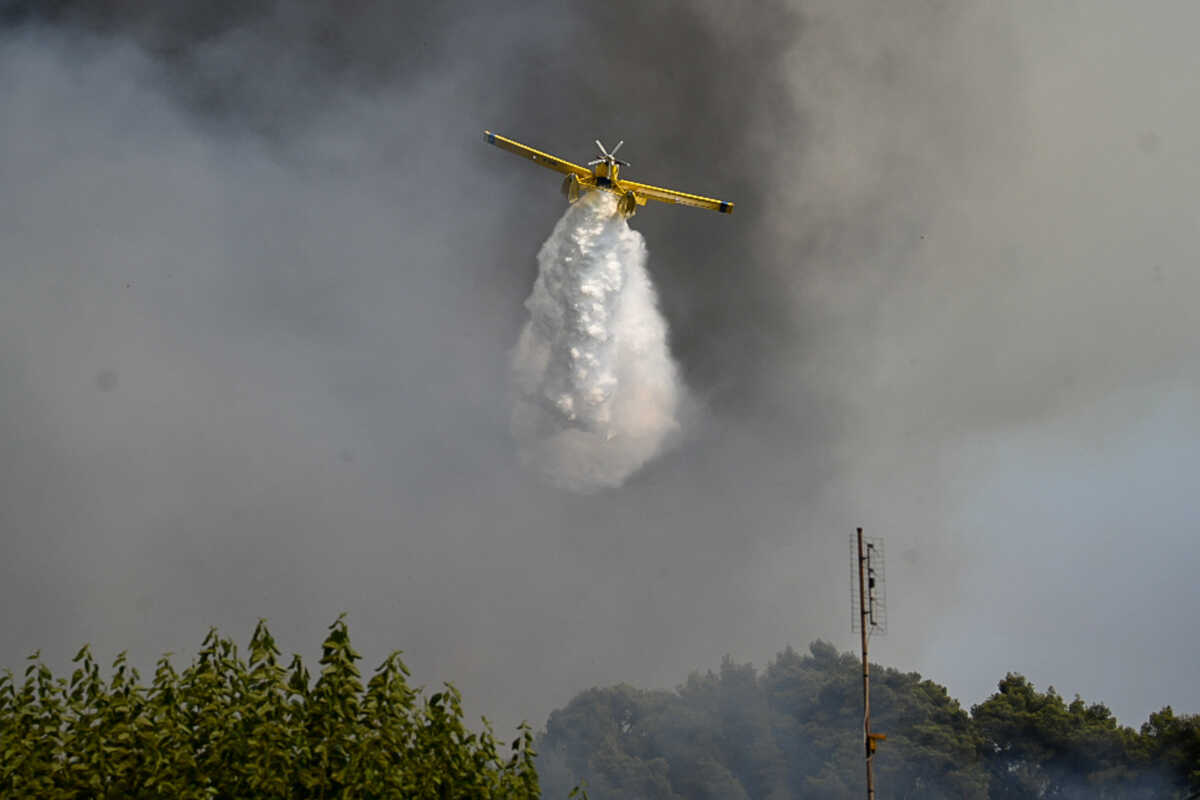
<point x="596" y="389"/>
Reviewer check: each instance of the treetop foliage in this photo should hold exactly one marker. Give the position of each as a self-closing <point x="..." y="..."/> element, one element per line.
<point x="794" y="730"/>
<point x="228" y="727"/>
<point x="232" y="728"/>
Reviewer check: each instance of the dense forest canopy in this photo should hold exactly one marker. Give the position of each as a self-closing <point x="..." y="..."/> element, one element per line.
<point x="795" y="731"/>
<point x="229" y="727"/>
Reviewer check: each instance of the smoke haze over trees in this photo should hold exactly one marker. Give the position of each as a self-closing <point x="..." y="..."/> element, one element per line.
<point x="795" y="730"/>
<point x="260" y="280"/>
<point x="234" y="726"/>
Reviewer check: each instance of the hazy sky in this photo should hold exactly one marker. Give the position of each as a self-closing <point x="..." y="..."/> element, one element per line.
<point x="260" y="278"/>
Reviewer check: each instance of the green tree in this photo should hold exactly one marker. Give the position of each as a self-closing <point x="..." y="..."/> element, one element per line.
<point x="1037" y="745"/>
<point x="230" y="728"/>
<point x="1171" y="748"/>
<point x="930" y="751"/>
<point x="795" y="731"/>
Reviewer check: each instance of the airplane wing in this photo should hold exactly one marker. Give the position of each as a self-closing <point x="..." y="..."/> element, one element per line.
<point x="537" y="156"/>
<point x="681" y="198"/>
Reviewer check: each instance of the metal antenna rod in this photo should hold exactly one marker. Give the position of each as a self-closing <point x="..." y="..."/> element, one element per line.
<point x="869" y="617"/>
<point x="866" y="665"/>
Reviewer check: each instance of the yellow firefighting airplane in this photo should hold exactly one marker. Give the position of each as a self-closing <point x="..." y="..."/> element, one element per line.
<point x="603" y="175"/>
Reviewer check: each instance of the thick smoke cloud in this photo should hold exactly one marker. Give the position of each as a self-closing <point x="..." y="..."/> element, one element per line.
<point x="260" y="279"/>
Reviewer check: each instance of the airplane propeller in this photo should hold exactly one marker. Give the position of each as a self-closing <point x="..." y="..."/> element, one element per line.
<point x="609" y="157"/>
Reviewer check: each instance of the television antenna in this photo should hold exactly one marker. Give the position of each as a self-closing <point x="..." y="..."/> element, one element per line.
<point x="868" y="606"/>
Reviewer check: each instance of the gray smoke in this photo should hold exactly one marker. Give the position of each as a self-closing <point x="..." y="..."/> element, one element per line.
<point x="596" y="389"/>
<point x="260" y="280"/>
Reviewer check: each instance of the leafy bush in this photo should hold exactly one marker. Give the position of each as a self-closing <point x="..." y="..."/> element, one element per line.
<point x="228" y="728"/>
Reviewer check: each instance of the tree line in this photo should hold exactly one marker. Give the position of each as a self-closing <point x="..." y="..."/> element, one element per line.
<point x="229" y="726"/>
<point x="795" y="731"/>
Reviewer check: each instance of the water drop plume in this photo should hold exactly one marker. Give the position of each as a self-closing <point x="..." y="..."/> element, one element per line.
<point x="596" y="391"/>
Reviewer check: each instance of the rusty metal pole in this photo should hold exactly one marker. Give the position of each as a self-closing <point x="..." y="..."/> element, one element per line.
<point x="866" y="672"/>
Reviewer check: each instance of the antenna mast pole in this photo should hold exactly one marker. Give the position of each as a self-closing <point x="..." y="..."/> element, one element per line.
<point x="869" y="616"/>
<point x="864" y="627"/>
